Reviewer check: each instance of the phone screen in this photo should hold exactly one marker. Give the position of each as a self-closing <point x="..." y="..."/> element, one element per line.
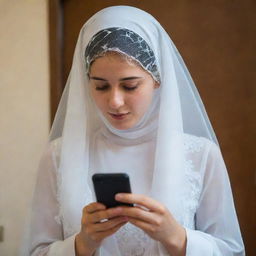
<point x="107" y="185"/>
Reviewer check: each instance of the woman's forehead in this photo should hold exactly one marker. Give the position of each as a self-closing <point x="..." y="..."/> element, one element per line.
<point x="103" y="67"/>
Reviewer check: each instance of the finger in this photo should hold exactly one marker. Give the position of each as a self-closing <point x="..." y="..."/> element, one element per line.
<point x="145" y="201"/>
<point x="147" y="227"/>
<point x="93" y="207"/>
<point x="141" y="214"/>
<point x="104" y="215"/>
<point x="104" y="234"/>
<point x="110" y="224"/>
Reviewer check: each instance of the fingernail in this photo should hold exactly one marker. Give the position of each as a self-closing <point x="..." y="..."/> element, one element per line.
<point x="118" y="196"/>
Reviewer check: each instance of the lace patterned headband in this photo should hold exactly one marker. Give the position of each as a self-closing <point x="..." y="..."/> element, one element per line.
<point x="125" y="42"/>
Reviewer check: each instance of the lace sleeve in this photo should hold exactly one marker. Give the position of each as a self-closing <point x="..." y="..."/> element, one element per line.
<point x="217" y="229"/>
<point x="46" y="233"/>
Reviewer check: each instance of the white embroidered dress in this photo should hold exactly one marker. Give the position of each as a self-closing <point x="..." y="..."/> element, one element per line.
<point x="205" y="200"/>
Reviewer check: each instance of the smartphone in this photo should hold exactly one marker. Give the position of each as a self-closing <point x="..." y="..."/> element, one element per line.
<point x="107" y="185"/>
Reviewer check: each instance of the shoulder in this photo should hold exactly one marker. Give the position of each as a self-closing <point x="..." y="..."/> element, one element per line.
<point x="201" y="152"/>
<point x="49" y="162"/>
<point x="195" y="144"/>
<point x="55" y="145"/>
<point x="51" y="155"/>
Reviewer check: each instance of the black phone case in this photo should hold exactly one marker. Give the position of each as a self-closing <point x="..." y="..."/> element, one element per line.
<point x="106" y="185"/>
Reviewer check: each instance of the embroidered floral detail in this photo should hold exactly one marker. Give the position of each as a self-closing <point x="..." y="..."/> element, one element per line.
<point x="192" y="194"/>
<point x="123" y="41"/>
<point x="192" y="145"/>
<point x="55" y="148"/>
<point x="132" y="240"/>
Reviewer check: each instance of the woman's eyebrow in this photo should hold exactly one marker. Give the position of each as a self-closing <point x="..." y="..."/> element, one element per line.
<point x="130" y="78"/>
<point x="97" y="78"/>
<point x="122" y="79"/>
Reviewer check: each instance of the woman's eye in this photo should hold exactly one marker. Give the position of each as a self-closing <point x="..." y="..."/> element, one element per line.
<point x="102" y="88"/>
<point x="130" y="88"/>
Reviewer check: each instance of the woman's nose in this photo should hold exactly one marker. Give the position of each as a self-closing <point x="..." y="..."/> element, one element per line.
<point x="116" y="99"/>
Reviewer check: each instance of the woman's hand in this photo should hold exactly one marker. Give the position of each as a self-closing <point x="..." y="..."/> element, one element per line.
<point x="97" y="223"/>
<point x="155" y="219"/>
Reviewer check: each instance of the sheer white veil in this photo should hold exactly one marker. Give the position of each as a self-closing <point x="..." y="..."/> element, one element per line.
<point x="180" y="111"/>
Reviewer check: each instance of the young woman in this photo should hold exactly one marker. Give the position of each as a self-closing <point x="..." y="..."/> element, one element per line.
<point x="131" y="106"/>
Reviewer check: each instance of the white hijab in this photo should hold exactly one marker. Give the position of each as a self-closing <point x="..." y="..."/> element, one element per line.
<point x="180" y="111"/>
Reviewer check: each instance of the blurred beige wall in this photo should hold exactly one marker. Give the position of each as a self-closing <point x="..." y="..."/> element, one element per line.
<point x="24" y="110"/>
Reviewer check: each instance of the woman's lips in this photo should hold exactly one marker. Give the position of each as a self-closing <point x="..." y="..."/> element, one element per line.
<point x="118" y="116"/>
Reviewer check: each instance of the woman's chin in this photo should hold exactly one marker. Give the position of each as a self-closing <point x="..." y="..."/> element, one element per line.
<point x="122" y="125"/>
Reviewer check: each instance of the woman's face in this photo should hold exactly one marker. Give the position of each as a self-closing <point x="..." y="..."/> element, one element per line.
<point x="121" y="89"/>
